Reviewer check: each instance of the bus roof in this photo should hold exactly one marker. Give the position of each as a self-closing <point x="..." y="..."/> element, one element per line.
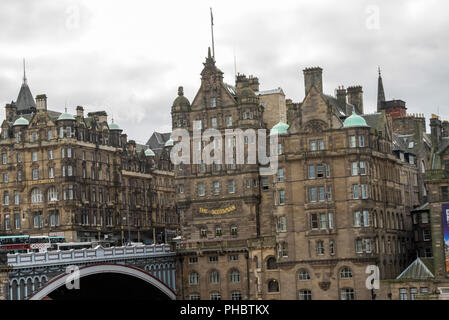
<point x="6" y="237"/>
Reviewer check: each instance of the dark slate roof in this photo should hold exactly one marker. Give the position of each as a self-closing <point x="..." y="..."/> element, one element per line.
<point x="401" y="144"/>
<point x="25" y="100"/>
<point x="140" y="147"/>
<point x="420" y="269"/>
<point x="157" y="141"/>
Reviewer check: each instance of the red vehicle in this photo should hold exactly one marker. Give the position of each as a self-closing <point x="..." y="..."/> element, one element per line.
<point x="15" y="244"/>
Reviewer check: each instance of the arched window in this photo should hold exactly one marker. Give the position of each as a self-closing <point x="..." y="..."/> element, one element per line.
<point x="271" y="263"/>
<point x="273" y="286"/>
<point x="303" y="274"/>
<point x="235" y="275"/>
<point x="346" y="273"/>
<point x="36" y="196"/>
<point x="194" y="278"/>
<point x="214" y="277"/>
<point x="52" y="194"/>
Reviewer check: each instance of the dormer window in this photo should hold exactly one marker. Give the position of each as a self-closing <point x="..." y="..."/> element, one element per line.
<point x="5" y="134"/>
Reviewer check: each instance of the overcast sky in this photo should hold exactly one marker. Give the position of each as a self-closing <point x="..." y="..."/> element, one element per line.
<point x="129" y="57"/>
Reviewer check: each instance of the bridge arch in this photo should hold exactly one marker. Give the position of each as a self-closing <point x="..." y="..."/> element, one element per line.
<point x="101" y="268"/>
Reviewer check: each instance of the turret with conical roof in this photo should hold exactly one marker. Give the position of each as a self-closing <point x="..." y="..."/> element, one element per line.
<point x="380" y="92"/>
<point x="25" y="101"/>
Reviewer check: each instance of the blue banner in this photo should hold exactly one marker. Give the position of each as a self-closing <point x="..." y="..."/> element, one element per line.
<point x="446" y="233"/>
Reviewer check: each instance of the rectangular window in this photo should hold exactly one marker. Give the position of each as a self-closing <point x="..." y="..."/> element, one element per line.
<point x="364" y="189"/>
<point x="201" y="191"/>
<point x="19" y="157"/>
<point x="311" y="172"/>
<point x="265" y="185"/>
<point x="361" y="141"/>
<point x="69" y="132"/>
<point x="69" y="152"/>
<point x="231" y="185"/>
<point x="357" y="219"/>
<point x="229" y="121"/>
<point x="283" y="224"/>
<point x="424" y="217"/>
<point x="352" y="142"/>
<point x="354" y="169"/>
<point x="331" y="247"/>
<point x="5" y="178"/>
<point x="320" y="144"/>
<point x="444" y="194"/>
<point x="6" y="198"/>
<point x="427" y="235"/>
<point x="279" y="148"/>
<point x="214" y="122"/>
<point x="331" y="220"/>
<point x="281" y="197"/>
<point x="213" y="102"/>
<point x="4" y="158"/>
<point x="33" y="137"/>
<point x="17" y="221"/>
<point x="34" y="156"/>
<point x="368" y="245"/>
<point x="216" y="187"/>
<point x="320" y="247"/>
<point x="366" y="218"/>
<point x="312" y="145"/>
<point x="328" y="170"/>
<point x="7" y="222"/>
<point x="314" y="221"/>
<point x="51" y="173"/>
<point x="362" y="168"/>
<point x="61" y="132"/>
<point x="359" y="246"/>
<point x="50" y="134"/>
<point x="320" y="171"/>
<point x="355" y="191"/>
<point x="16" y="197"/>
<point x="413" y="293"/>
<point x="320" y="193"/>
<point x="280" y="175"/>
<point x="312" y="194"/>
<point x="328" y="193"/>
<point x="50" y="155"/>
<point x="35" y="174"/>
<point x="323" y="221"/>
<point x="19" y="175"/>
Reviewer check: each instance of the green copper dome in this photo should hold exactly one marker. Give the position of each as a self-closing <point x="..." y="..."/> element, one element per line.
<point x="280" y="128"/>
<point x="354" y="121"/>
<point x="66" y="116"/>
<point x="169" y="143"/>
<point x="114" y="126"/>
<point x="21" y="122"/>
<point x="149" y="153"/>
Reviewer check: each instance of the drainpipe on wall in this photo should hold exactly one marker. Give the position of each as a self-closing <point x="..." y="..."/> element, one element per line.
<point x="247" y="274"/>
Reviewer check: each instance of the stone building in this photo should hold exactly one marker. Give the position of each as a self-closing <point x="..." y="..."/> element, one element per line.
<point x="335" y="206"/>
<point x="75" y="175"/>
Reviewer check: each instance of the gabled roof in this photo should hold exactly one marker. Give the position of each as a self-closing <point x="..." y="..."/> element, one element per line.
<point x="420" y="269"/>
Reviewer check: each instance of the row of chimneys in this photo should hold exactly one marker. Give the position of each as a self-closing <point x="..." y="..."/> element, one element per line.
<point x="313" y="77"/>
<point x="438" y="129"/>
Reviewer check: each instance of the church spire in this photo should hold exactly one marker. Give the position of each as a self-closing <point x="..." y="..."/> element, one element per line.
<point x="380" y="92"/>
<point x="24" y="72"/>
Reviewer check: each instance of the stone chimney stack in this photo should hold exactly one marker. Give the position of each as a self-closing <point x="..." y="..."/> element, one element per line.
<point x="355" y="97"/>
<point x="341" y="97"/>
<point x="313" y="77"/>
<point x="80" y="112"/>
<point x="253" y="83"/>
<point x="11" y="111"/>
<point x="445" y="128"/>
<point x="41" y="102"/>
<point x="435" y="129"/>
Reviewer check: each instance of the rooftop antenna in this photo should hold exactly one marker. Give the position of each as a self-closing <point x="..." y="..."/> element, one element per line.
<point x="212" y="31"/>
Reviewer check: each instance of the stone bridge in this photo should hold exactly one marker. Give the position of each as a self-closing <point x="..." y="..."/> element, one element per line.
<point x="35" y="276"/>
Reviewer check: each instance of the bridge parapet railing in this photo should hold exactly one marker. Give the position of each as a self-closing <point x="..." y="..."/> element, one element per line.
<point x="86" y="255"/>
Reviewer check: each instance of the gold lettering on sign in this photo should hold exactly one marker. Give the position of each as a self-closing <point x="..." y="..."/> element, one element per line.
<point x="218" y="211"/>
